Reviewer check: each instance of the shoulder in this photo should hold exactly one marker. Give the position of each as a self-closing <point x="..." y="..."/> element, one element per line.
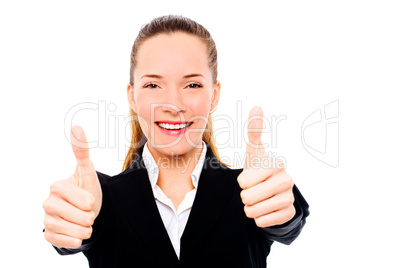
<point x="220" y="173"/>
<point x="126" y="183"/>
<point x="102" y="176"/>
<point x="232" y="172"/>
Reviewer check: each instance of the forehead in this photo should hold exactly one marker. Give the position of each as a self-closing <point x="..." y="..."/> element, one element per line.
<point x="172" y="54"/>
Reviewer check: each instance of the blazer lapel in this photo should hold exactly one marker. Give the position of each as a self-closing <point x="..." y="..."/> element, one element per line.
<point x="134" y="194"/>
<point x="136" y="200"/>
<point x="213" y="194"/>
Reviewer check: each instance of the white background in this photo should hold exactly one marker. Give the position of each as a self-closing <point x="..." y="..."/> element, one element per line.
<point x="289" y="57"/>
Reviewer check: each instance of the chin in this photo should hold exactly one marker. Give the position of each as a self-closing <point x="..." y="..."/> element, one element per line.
<point x="174" y="151"/>
<point x="174" y="148"/>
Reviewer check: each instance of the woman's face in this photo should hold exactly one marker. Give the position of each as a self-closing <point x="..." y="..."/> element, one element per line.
<point x="173" y="89"/>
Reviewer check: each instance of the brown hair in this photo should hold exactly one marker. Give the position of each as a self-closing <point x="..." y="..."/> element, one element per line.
<point x="168" y="25"/>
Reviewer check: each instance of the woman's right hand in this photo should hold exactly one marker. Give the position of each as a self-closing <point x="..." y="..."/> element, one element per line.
<point x="74" y="203"/>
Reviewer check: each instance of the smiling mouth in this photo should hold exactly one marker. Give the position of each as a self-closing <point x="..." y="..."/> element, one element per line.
<point x="174" y="126"/>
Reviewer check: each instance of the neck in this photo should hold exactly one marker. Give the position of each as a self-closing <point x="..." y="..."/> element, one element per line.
<point x="178" y="165"/>
<point x="174" y="177"/>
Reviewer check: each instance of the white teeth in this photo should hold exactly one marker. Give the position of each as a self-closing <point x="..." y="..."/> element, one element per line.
<point x="173" y="126"/>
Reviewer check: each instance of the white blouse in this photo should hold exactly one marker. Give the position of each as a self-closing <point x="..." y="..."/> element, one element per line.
<point x="174" y="220"/>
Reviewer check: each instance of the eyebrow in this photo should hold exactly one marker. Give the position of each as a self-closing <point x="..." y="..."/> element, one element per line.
<point x="160" y="77"/>
<point x="192" y="75"/>
<point x="152" y="76"/>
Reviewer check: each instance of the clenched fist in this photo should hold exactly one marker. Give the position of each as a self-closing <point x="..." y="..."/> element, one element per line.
<point x="267" y="189"/>
<point x="74" y="203"/>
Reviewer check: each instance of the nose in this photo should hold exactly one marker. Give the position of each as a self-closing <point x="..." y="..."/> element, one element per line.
<point x="174" y="102"/>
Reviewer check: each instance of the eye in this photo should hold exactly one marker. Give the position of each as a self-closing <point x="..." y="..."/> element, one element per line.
<point x="194" y="85"/>
<point x="150" y="85"/>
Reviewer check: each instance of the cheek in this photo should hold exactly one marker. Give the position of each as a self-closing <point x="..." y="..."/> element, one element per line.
<point x="144" y="114"/>
<point x="200" y="106"/>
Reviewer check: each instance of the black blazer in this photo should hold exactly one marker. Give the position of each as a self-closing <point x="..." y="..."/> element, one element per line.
<point x="129" y="231"/>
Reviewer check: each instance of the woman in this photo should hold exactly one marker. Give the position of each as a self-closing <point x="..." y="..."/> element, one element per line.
<point x="175" y="204"/>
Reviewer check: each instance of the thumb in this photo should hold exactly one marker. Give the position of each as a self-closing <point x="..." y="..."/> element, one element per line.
<point x="85" y="175"/>
<point x="255" y="147"/>
<point x="80" y="144"/>
<point x="85" y="170"/>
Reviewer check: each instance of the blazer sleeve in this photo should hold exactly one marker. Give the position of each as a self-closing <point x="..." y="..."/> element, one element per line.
<point x="98" y="226"/>
<point x="289" y="231"/>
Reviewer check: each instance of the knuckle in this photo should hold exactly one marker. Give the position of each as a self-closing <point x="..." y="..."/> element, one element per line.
<point x="90" y="202"/>
<point x="289" y="200"/>
<point x="87" y="233"/>
<point x="49" y="223"/>
<point x="248" y="212"/>
<point x="91" y="218"/>
<point x="288" y="181"/>
<point x="49" y="206"/>
<point x="260" y="222"/>
<point x="287" y="216"/>
<point x="48" y="236"/>
<point x="244" y="197"/>
<point x="241" y="181"/>
<point x="45" y="222"/>
<point x="52" y="239"/>
<point x="46" y="205"/>
<point x="284" y="185"/>
<point x="54" y="187"/>
<point x="75" y="243"/>
<point x="292" y="212"/>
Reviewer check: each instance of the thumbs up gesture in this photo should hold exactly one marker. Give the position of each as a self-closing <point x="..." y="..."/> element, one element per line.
<point x="73" y="203"/>
<point x="267" y="188"/>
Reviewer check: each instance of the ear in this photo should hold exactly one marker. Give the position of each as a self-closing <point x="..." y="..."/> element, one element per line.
<point x="130" y="97"/>
<point x="215" y="96"/>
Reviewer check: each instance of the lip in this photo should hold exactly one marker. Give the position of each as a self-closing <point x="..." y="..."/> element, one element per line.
<point x="172" y="132"/>
<point x="172" y="122"/>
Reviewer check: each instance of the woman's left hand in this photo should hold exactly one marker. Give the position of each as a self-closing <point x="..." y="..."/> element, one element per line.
<point x="267" y="188"/>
